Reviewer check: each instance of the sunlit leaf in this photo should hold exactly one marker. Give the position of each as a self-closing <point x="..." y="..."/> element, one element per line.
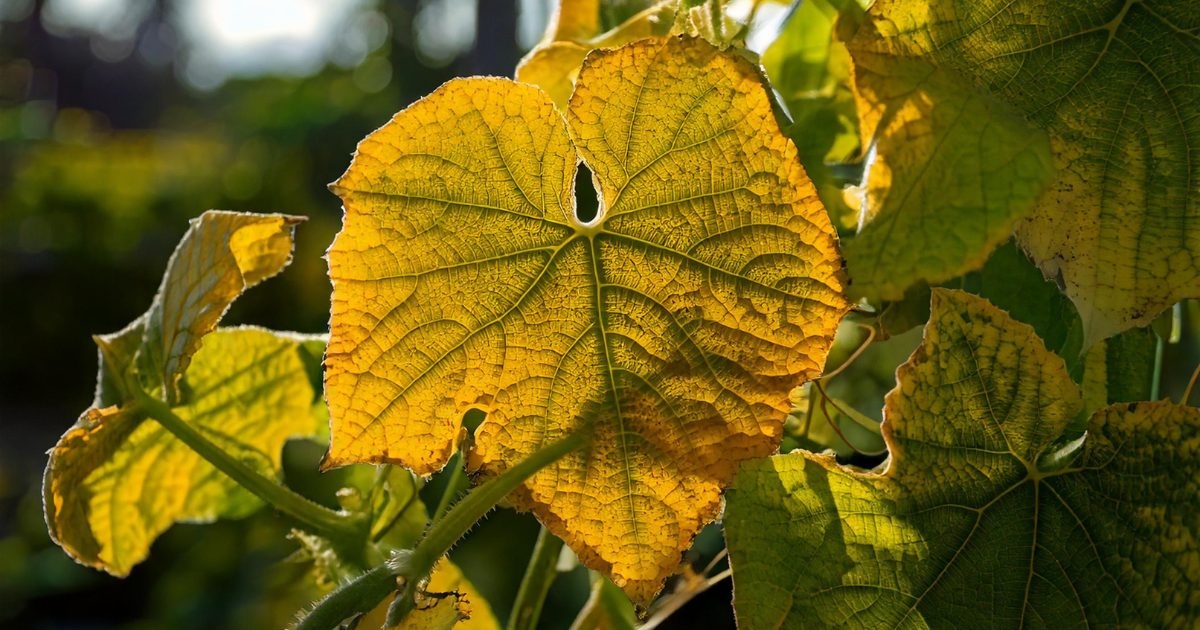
<point x="1115" y="85"/>
<point x="221" y="255"/>
<point x="669" y="329"/>
<point x="474" y="613"/>
<point x="951" y="174"/>
<point x="115" y="481"/>
<point x="985" y="517"/>
<point x="811" y="71"/>
<point x="554" y="65"/>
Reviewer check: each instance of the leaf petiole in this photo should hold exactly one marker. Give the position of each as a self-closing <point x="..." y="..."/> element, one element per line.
<point x="337" y="527"/>
<point x="464" y="515"/>
<point x="536" y="584"/>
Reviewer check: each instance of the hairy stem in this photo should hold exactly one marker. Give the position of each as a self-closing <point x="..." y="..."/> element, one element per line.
<point x="360" y="595"/>
<point x="457" y="483"/>
<point x="318" y="519"/>
<point x="538" y="576"/>
<point x="443" y="534"/>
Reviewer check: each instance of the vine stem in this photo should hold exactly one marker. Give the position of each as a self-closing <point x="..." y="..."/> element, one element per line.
<point x="320" y="520"/>
<point x="360" y="595"/>
<point x="443" y="534"/>
<point x="538" y="576"/>
<point x="1156" y="381"/>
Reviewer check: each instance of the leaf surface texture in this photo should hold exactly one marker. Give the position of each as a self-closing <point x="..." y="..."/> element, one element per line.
<point x="985" y="516"/>
<point x="669" y="329"/>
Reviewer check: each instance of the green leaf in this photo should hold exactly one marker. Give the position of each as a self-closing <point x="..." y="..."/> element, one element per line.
<point x="810" y="70"/>
<point x="984" y="517"/>
<point x="1014" y="284"/>
<point x="1116" y="86"/>
<point x="115" y="482"/>
<point x="953" y="171"/>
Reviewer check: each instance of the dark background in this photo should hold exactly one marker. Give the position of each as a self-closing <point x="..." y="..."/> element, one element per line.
<point x="118" y="123"/>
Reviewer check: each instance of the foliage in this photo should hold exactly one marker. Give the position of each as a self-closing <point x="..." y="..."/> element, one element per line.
<point x="1012" y="177"/>
<point x="558" y="325"/>
<point x="982" y="495"/>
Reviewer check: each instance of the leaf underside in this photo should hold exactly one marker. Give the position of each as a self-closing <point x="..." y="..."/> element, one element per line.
<point x="114" y="482"/>
<point x="985" y="517"/>
<point x="1116" y="85"/>
<point x="670" y="329"/>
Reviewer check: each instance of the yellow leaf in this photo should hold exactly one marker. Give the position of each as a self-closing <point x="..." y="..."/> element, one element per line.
<point x="221" y="255"/>
<point x="670" y="329"/>
<point x="574" y="20"/>
<point x="115" y="482"/>
<point x="1116" y="86"/>
<point x="447" y="584"/>
<point x="554" y="65"/>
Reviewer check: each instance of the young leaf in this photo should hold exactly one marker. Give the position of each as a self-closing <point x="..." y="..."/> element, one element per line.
<point x="554" y="65"/>
<point x="115" y="482"/>
<point x="1116" y="86"/>
<point x="669" y="329"/>
<point x="985" y="518"/>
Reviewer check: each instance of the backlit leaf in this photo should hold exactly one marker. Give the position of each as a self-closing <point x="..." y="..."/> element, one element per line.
<point x="115" y="481"/>
<point x="221" y="255"/>
<point x="670" y="328"/>
<point x="1116" y="85"/>
<point x="985" y="517"/>
<point x="811" y="71"/>
<point x="554" y="65"/>
<point x="447" y="578"/>
<point x="952" y="172"/>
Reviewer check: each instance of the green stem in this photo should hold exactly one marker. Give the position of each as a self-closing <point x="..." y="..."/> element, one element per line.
<point x="360" y="595"/>
<point x="1158" y="361"/>
<point x="443" y="534"/>
<point x="455" y="486"/>
<point x="318" y="519"/>
<point x="538" y="576"/>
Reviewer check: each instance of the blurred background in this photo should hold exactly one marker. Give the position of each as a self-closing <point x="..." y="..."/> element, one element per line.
<point x="119" y="121"/>
<point x="122" y="119"/>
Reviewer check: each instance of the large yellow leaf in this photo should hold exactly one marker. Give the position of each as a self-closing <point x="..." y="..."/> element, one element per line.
<point x="1116" y="84"/>
<point x="670" y="328"/>
<point x="990" y="514"/>
<point x="115" y="482"/>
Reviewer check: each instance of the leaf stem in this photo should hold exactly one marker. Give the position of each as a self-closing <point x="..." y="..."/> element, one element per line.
<point x="318" y="519"/>
<point x="538" y="576"/>
<point x="457" y="483"/>
<point x="446" y="531"/>
<point x="1156" y="382"/>
<point x="360" y="595"/>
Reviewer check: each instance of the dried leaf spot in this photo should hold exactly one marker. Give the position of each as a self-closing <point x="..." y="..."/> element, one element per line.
<point x="669" y="328"/>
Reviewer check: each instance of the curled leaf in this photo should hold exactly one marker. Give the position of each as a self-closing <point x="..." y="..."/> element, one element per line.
<point x="113" y="482"/>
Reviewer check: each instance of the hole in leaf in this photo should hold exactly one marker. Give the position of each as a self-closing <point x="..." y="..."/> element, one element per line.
<point x="587" y="201"/>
